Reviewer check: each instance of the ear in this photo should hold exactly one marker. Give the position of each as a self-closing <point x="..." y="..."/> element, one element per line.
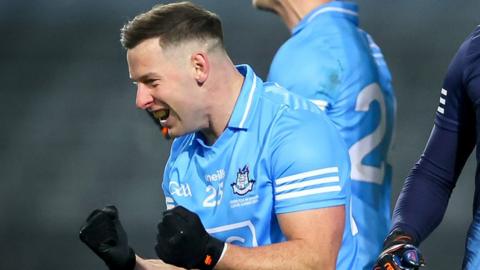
<point x="201" y="66"/>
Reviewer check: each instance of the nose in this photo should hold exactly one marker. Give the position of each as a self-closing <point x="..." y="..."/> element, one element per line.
<point x="144" y="99"/>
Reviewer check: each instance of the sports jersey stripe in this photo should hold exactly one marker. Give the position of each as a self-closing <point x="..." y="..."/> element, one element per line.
<point x="332" y="9"/>
<point x="308" y="192"/>
<point x="303" y="175"/>
<point x="249" y="102"/>
<point x="170" y="203"/>
<point x="373" y="45"/>
<point x="443" y="95"/>
<point x="314" y="182"/>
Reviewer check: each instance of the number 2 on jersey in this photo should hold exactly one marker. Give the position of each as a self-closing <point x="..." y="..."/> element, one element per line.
<point x="365" y="145"/>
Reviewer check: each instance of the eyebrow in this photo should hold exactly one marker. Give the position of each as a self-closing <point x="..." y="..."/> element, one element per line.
<point x="146" y="77"/>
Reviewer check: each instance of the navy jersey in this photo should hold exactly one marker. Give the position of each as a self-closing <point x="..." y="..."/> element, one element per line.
<point x="424" y="198"/>
<point x="331" y="61"/>
<point x="278" y="154"/>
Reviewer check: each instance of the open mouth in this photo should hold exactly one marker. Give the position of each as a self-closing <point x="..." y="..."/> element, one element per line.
<point x="162" y="115"/>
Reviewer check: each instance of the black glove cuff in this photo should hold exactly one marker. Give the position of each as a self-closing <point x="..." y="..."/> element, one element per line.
<point x="398" y="237"/>
<point x="129" y="263"/>
<point x="213" y="252"/>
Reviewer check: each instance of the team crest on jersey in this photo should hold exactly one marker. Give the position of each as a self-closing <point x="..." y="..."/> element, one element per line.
<point x="243" y="184"/>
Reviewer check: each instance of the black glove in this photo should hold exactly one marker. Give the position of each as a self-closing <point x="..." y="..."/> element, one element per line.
<point x="183" y="241"/>
<point x="105" y="236"/>
<point x="399" y="253"/>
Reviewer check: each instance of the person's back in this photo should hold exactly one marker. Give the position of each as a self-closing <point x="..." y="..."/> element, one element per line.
<point x="336" y="65"/>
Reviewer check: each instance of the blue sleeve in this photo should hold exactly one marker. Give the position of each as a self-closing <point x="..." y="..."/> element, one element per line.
<point x="169" y="200"/>
<point x="309" y="163"/>
<point x="177" y="145"/>
<point x="425" y="194"/>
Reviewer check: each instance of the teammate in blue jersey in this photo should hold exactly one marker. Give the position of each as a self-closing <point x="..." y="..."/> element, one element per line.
<point x="338" y="66"/>
<point x="257" y="177"/>
<point x="425" y="194"/>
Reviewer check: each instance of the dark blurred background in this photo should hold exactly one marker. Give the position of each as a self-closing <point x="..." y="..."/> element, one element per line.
<point x="72" y="139"/>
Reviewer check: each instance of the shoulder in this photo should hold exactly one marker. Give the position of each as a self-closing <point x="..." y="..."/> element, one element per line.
<point x="320" y="53"/>
<point x="465" y="63"/>
<point x="286" y="101"/>
<point x="339" y="36"/>
<point x="298" y="122"/>
<point x="470" y="51"/>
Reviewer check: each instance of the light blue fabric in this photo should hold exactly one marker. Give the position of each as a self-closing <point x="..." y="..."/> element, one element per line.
<point x="332" y="62"/>
<point x="278" y="154"/>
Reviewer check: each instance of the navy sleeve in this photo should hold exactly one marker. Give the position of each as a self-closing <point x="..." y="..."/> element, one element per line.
<point x="425" y="194"/>
<point x="427" y="189"/>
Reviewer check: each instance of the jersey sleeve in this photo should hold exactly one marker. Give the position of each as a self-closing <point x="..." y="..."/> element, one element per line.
<point x="176" y="147"/>
<point x="425" y="194"/>
<point x="309" y="163"/>
<point x="169" y="201"/>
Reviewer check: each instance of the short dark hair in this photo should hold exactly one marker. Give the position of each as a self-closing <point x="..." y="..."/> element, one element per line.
<point x="172" y="23"/>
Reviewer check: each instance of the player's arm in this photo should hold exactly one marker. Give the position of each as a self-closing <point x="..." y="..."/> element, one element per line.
<point x="313" y="240"/>
<point x="424" y="198"/>
<point x="148" y="264"/>
<point x="426" y="191"/>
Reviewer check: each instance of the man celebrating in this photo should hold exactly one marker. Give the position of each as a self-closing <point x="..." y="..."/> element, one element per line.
<point x="331" y="61"/>
<point x="257" y="178"/>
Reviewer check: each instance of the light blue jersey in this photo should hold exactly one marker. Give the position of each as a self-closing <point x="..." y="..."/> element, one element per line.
<point x="332" y="62"/>
<point x="278" y="154"/>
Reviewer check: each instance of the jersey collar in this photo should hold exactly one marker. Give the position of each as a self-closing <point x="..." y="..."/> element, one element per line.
<point x="348" y="10"/>
<point x="247" y="100"/>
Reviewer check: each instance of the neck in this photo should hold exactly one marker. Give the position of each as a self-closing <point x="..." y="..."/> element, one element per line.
<point x="293" y="11"/>
<point x="226" y="83"/>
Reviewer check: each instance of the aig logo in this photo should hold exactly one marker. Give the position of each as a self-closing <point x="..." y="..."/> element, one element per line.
<point x="181" y="190"/>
